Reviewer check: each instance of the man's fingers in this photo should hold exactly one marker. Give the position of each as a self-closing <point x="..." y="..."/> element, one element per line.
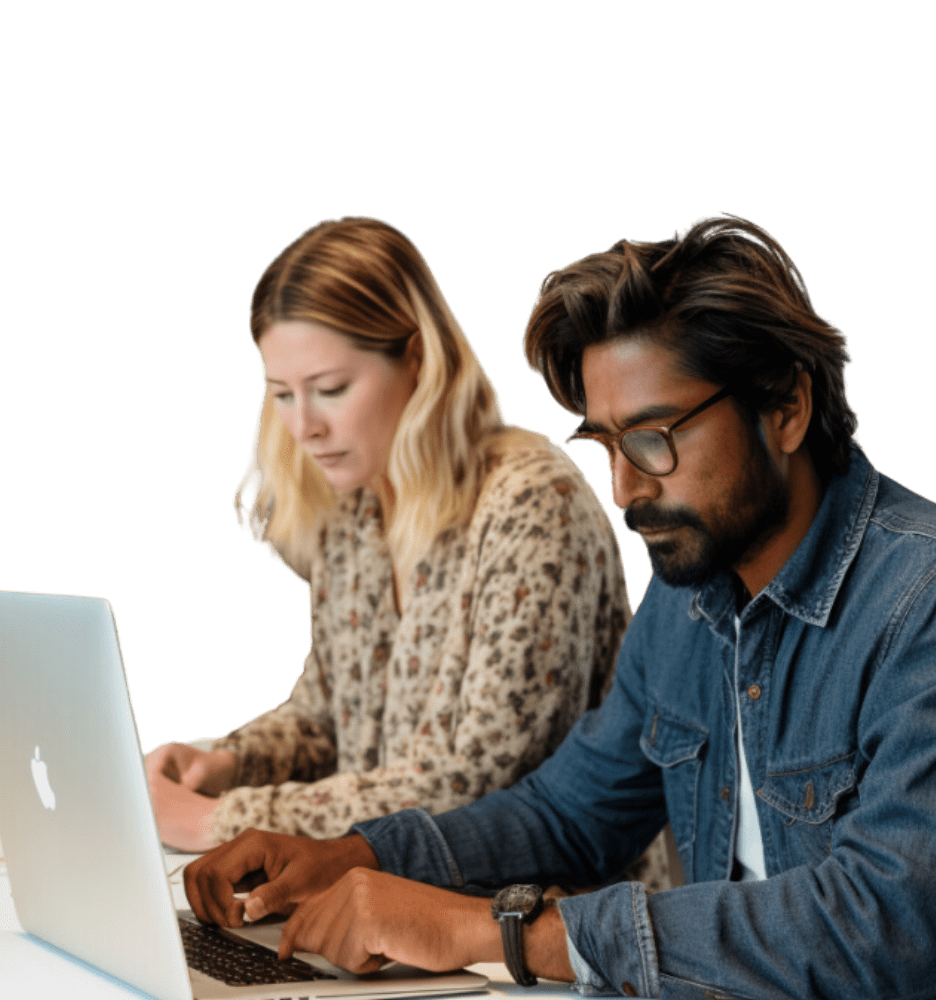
<point x="255" y="908"/>
<point x="302" y="929"/>
<point x="193" y="894"/>
<point x="251" y="880"/>
<point x="206" y="897"/>
<point x="210" y="880"/>
<point x="217" y="898"/>
<point x="272" y="897"/>
<point x="333" y="924"/>
<point x="287" y="941"/>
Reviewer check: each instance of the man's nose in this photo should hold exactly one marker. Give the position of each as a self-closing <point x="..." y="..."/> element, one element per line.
<point x="630" y="483"/>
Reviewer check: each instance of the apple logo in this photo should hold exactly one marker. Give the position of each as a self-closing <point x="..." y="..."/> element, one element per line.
<point x="40" y="774"/>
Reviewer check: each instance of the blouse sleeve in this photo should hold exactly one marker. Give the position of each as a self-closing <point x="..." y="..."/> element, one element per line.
<point x="294" y="742"/>
<point x="542" y="611"/>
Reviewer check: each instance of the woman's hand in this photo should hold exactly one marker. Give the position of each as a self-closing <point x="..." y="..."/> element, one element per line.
<point x="185" y="818"/>
<point x="209" y="772"/>
<point x="184" y="782"/>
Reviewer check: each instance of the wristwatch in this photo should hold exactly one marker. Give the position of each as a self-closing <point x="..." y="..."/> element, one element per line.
<point x="512" y="908"/>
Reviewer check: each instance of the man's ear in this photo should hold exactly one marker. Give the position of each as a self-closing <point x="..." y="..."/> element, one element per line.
<point x="790" y="421"/>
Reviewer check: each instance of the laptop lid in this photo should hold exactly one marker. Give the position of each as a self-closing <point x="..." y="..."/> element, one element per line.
<point x="84" y="860"/>
<point x="83" y="853"/>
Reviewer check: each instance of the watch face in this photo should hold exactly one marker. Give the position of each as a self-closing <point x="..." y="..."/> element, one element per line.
<point x="517" y="899"/>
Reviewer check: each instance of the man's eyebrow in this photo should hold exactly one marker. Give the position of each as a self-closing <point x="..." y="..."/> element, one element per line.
<point x="588" y="427"/>
<point x="648" y="415"/>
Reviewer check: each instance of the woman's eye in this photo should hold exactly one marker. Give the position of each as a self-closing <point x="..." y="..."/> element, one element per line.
<point x="337" y="391"/>
<point x="283" y="397"/>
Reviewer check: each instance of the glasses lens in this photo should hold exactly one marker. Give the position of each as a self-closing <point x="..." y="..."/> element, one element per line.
<point x="648" y="450"/>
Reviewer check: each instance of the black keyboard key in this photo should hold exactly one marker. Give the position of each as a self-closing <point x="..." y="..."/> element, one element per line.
<point x="236" y="962"/>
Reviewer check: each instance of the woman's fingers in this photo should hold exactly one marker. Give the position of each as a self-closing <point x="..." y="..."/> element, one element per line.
<point x="171" y="760"/>
<point x="208" y="772"/>
<point x="185" y="818"/>
<point x="195" y="774"/>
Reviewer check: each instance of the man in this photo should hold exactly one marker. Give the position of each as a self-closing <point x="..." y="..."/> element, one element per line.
<point x="775" y="696"/>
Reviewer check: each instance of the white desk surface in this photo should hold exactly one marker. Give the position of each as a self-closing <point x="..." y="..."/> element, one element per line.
<point x="31" y="969"/>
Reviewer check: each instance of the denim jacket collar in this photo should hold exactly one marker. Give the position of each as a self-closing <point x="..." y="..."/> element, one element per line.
<point x="809" y="580"/>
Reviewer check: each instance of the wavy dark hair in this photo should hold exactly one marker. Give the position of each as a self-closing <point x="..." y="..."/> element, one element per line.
<point x="727" y="299"/>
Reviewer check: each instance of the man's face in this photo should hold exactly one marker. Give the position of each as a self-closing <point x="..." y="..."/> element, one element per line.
<point x="725" y="498"/>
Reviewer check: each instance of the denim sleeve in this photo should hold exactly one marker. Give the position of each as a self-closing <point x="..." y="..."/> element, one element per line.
<point x="409" y="844"/>
<point x="587" y="982"/>
<point x="860" y="921"/>
<point x="581" y="818"/>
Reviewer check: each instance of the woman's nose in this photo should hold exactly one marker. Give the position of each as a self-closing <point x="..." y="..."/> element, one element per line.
<point x="307" y="422"/>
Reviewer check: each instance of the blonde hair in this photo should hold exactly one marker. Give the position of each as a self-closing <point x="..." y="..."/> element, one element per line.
<point x="366" y="280"/>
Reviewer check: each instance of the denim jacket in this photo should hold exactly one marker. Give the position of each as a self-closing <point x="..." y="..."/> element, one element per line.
<point x="834" y="665"/>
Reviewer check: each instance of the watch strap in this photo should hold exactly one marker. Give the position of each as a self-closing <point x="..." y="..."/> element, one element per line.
<point x="511" y="926"/>
<point x="513" y="907"/>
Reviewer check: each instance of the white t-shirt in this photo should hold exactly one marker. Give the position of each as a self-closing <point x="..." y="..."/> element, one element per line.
<point x="749" y="844"/>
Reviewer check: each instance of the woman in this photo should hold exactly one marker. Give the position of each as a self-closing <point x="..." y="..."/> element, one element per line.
<point x="467" y="594"/>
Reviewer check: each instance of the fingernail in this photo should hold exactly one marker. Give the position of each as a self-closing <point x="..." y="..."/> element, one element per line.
<point x="255" y="908"/>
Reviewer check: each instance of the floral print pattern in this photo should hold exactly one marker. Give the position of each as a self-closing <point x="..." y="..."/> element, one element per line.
<point x="509" y="630"/>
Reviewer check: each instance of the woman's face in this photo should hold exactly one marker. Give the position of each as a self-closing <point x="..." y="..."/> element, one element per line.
<point x="341" y="404"/>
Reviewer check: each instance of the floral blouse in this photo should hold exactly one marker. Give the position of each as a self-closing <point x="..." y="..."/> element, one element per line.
<point x="509" y="630"/>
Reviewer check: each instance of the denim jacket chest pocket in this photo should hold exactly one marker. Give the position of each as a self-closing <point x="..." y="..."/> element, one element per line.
<point x="676" y="746"/>
<point x="803" y="807"/>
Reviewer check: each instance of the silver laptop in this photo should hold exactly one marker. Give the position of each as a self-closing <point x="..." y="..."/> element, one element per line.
<point x="83" y="856"/>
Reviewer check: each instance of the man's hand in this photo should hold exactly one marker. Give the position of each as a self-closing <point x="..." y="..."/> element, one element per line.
<point x="197" y="770"/>
<point x="369" y="918"/>
<point x="294" y="867"/>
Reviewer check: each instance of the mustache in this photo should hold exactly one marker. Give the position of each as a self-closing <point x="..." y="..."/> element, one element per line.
<point x="654" y="518"/>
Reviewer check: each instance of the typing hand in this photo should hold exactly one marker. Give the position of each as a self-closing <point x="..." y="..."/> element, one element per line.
<point x="368" y="918"/>
<point x="197" y="770"/>
<point x="185" y="818"/>
<point x="294" y="869"/>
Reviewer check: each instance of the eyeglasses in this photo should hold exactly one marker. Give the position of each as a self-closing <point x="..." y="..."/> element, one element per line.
<point x="651" y="449"/>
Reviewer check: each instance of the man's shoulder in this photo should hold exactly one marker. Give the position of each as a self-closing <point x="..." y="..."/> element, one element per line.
<point x="899" y="511"/>
<point x="895" y="564"/>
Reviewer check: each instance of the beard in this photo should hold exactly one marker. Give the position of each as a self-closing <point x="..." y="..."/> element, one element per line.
<point x="754" y="509"/>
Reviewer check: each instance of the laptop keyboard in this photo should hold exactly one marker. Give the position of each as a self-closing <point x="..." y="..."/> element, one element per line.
<point x="240" y="963"/>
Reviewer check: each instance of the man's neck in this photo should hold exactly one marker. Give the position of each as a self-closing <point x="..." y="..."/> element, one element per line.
<point x="804" y="490"/>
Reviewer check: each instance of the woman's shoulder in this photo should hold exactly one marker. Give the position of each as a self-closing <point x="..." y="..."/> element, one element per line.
<point x="520" y="464"/>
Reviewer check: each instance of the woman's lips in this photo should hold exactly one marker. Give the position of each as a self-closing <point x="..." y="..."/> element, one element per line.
<point x="330" y="458"/>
